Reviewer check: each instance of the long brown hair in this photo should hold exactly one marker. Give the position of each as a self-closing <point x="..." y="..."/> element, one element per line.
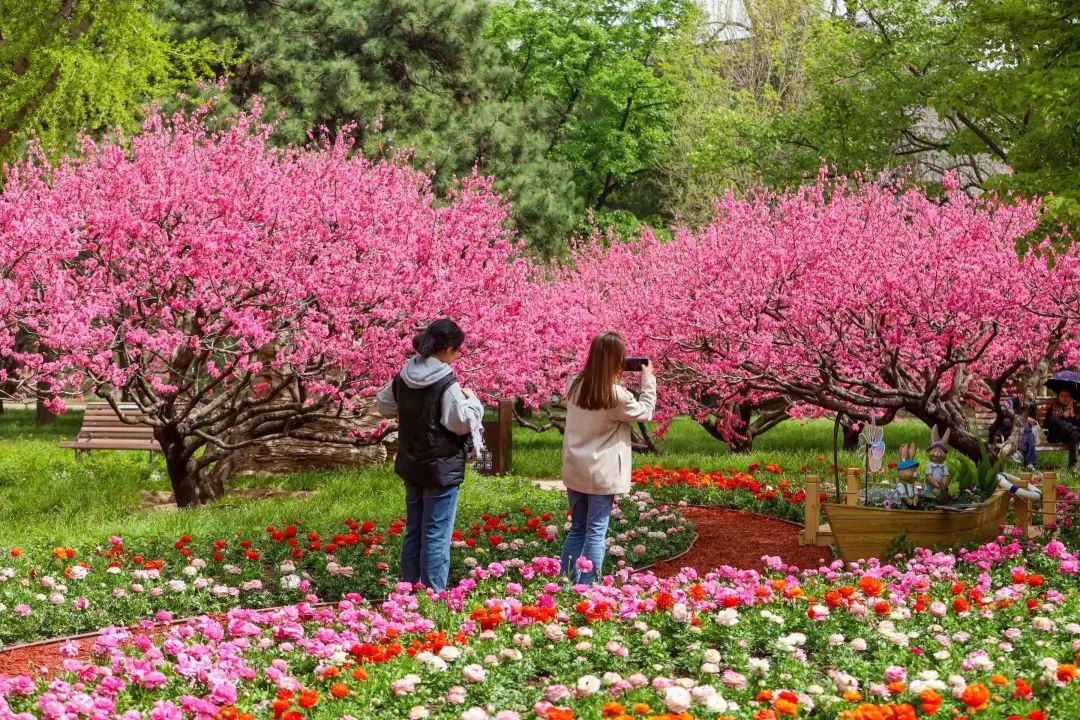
<point x="594" y="388"/>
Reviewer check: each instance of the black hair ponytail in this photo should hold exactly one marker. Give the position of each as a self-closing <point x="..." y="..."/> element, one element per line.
<point x="438" y="336"/>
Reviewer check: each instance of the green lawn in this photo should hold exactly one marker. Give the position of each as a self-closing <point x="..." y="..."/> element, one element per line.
<point x="49" y="497"/>
<point x="792" y="445"/>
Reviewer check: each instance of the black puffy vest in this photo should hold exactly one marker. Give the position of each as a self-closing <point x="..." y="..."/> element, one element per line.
<point x="429" y="455"/>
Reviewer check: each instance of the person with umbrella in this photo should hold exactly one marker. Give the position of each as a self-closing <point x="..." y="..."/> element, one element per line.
<point x="1063" y="416"/>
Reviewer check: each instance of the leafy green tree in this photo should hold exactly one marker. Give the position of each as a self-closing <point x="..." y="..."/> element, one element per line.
<point x="69" y="65"/>
<point x="983" y="88"/>
<point x="411" y="74"/>
<point x="611" y="111"/>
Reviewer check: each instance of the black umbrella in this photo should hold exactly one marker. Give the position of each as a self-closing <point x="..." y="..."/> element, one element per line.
<point x="1065" y="380"/>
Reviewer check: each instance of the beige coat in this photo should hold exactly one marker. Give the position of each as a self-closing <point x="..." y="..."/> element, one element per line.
<point x="596" y="444"/>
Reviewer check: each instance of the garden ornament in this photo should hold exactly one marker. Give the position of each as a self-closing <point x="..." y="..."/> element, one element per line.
<point x="906" y="491"/>
<point x="937" y="472"/>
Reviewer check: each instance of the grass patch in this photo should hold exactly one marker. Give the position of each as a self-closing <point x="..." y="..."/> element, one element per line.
<point x="792" y="445"/>
<point x="50" y="498"/>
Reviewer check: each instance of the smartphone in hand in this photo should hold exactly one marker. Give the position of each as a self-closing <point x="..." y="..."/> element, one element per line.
<point x="634" y="364"/>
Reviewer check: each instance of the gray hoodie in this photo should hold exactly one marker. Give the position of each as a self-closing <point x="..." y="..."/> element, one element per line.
<point x="460" y="415"/>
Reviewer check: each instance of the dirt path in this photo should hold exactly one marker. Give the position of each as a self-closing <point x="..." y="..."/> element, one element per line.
<point x="739" y="539"/>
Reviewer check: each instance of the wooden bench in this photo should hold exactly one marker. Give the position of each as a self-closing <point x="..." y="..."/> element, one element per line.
<point x="102" y="429"/>
<point x="985" y="418"/>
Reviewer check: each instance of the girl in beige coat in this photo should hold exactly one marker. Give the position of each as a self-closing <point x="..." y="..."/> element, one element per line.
<point x="596" y="450"/>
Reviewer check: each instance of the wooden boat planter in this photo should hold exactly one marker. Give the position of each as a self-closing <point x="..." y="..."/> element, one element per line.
<point x="868" y="532"/>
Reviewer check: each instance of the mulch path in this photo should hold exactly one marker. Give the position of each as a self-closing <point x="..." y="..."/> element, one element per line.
<point x="740" y="539"/>
<point x="725" y="537"/>
<point x="47" y="657"/>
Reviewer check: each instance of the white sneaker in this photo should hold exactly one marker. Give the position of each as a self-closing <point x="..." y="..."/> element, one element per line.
<point x="1018" y="457"/>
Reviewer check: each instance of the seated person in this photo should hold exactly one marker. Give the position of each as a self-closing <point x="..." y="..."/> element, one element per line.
<point x="1063" y="424"/>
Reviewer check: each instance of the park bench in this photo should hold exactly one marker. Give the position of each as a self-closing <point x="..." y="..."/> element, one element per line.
<point x="102" y="429"/>
<point x="984" y="418"/>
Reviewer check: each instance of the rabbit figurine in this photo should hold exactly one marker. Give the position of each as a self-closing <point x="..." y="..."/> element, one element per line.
<point x="906" y="493"/>
<point x="936" y="473"/>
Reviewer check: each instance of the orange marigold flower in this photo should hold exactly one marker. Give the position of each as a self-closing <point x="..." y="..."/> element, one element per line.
<point x="871" y="586"/>
<point x="999" y="679"/>
<point x="764" y="715"/>
<point x="641" y="709"/>
<point x="764" y="696"/>
<point x="560" y="713"/>
<point x="612" y="709"/>
<point x="852" y="695"/>
<point x="1066" y="672"/>
<point x="359" y="674"/>
<point x="786" y="707"/>
<point x="896" y="687"/>
<point x="339" y="690"/>
<point x="309" y="698"/>
<point x="930" y="700"/>
<point x="976" y="696"/>
<point x="15" y="552"/>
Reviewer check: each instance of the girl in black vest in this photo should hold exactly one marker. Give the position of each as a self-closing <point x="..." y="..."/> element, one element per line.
<point x="436" y="418"/>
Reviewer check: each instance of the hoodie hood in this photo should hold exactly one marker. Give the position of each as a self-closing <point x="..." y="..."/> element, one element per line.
<point x="421" y="372"/>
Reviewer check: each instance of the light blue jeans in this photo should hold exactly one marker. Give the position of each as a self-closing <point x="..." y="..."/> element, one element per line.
<point x="429" y="525"/>
<point x="589" y="515"/>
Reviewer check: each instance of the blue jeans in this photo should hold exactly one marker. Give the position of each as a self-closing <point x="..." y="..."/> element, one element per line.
<point x="589" y="515"/>
<point x="1027" y="447"/>
<point x="429" y="524"/>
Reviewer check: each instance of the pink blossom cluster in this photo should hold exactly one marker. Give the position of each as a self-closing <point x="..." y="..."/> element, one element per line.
<point x="844" y="296"/>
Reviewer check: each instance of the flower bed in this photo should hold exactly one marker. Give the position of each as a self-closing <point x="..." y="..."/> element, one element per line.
<point x="989" y="633"/>
<point x="67" y="590"/>
<point x="770" y="494"/>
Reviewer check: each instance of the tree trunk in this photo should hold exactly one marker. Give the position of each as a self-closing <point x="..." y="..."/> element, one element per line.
<point x="742" y="445"/>
<point x="961" y="438"/>
<point x="641" y="441"/>
<point x="43" y="416"/>
<point x="181" y="467"/>
<point x="851" y="438"/>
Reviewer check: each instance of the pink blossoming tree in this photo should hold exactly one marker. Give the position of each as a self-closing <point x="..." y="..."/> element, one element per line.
<point x="858" y="299"/>
<point x="234" y="291"/>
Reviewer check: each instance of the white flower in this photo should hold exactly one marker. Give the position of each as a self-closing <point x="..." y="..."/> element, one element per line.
<point x="450" y="653"/>
<point x="418" y="712"/>
<point x="587" y="685"/>
<point x="78" y="572"/>
<point x="190" y="571"/>
<point x="177" y="586"/>
<point x="680" y="613"/>
<point x="788" y="643"/>
<point x="715" y="704"/>
<point x="286" y="566"/>
<point x="711" y="656"/>
<point x="474" y="713"/>
<point x="836" y="639"/>
<point x="474" y="673"/>
<point x="858" y="645"/>
<point x="677" y="699"/>
<point x="56" y="598"/>
<point x="727" y="617"/>
<point x="650" y="637"/>
<point x="431" y="661"/>
<point x="758" y="666"/>
<point x="289" y="582"/>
